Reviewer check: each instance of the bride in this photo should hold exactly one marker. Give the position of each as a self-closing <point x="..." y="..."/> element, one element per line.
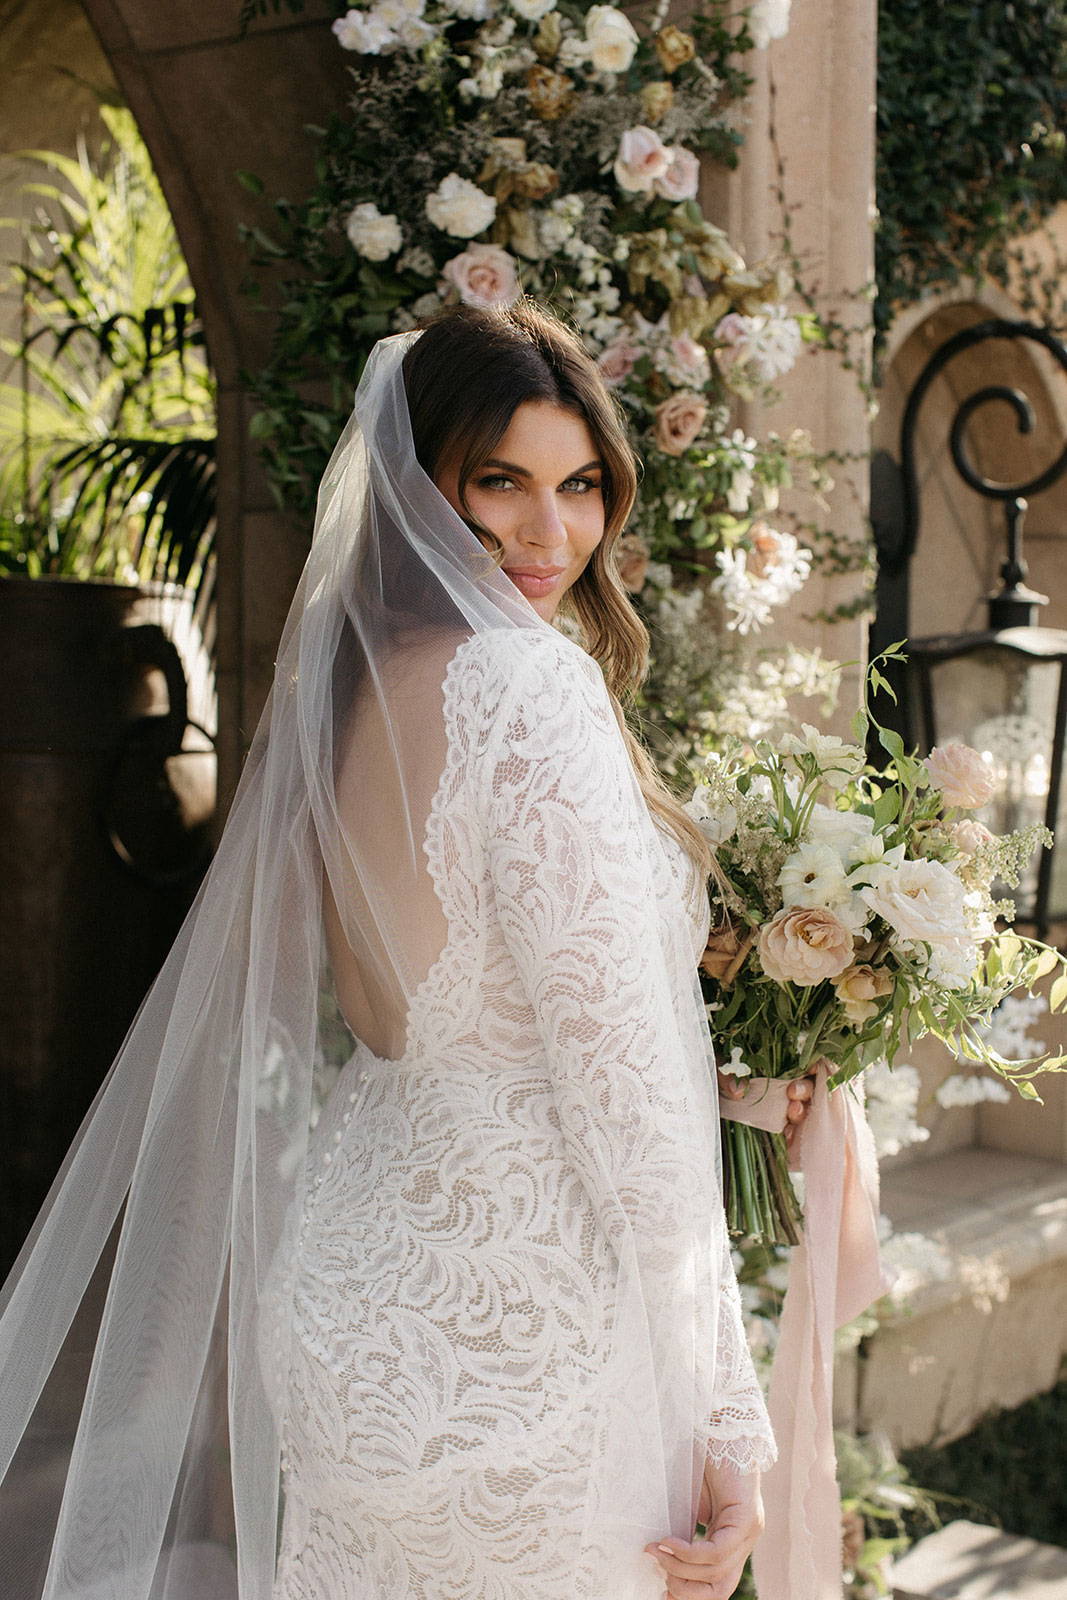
<point x="461" y="1325"/>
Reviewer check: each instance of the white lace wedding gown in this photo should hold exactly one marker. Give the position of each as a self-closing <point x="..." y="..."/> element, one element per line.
<point x="506" y="1369"/>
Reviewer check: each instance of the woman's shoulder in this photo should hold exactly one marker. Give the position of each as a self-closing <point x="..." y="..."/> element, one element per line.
<point x="507" y="660"/>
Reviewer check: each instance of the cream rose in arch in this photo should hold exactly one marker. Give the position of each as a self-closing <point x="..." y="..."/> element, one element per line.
<point x="962" y="775"/>
<point x="804" y="945"/>
<point x="611" y="37"/>
<point x="459" y="207"/>
<point x="679" y="420"/>
<point x="484" y="275"/>
<point x="371" y="234"/>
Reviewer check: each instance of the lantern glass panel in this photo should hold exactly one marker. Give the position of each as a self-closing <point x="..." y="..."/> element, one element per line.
<point x="1003" y="704"/>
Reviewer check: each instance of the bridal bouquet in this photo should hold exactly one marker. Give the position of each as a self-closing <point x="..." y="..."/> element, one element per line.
<point x="854" y="910"/>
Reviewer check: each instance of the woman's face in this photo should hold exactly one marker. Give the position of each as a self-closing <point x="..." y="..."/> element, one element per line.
<point x="540" y="493"/>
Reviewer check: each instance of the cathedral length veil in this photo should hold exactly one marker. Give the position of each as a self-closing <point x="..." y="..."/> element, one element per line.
<point x="202" y="1127"/>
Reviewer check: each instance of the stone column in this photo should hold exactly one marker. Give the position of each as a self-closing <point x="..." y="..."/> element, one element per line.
<point x="210" y="102"/>
<point x="808" y="163"/>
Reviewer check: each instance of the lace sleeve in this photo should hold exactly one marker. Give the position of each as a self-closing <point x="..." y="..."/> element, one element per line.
<point x="570" y="846"/>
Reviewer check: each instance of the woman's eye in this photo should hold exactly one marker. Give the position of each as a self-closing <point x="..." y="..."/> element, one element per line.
<point x="580" y="485"/>
<point x="495" y="481"/>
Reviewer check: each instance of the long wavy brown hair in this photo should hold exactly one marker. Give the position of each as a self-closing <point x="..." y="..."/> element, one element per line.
<point x="465" y="378"/>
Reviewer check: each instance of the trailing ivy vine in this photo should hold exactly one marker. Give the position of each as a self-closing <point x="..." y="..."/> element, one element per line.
<point x="972" y="105"/>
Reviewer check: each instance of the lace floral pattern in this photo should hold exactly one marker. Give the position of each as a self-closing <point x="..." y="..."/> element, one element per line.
<point x="514" y="1231"/>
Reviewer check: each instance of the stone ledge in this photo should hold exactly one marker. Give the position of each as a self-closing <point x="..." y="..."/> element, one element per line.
<point x="965" y="1561"/>
<point x="999" y="1216"/>
<point x="993" y="1333"/>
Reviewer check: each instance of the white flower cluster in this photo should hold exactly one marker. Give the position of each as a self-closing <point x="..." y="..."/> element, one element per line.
<point x="913" y="1260"/>
<point x="751" y="588"/>
<point x="1008" y="1030"/>
<point x="968" y="1089"/>
<point x="764" y="346"/>
<point x="892" y="1102"/>
<point x="388" y="26"/>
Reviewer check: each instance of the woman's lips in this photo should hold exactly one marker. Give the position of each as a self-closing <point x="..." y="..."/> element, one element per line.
<point x="535" y="581"/>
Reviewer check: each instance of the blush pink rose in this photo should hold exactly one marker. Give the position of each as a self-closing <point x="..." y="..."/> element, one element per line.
<point x="962" y="776"/>
<point x="969" y="835"/>
<point x="804" y="945"/>
<point x="642" y="158"/>
<point x="679" y="420"/>
<point x="682" y="177"/>
<point x="616" y="361"/>
<point x="484" y="276"/>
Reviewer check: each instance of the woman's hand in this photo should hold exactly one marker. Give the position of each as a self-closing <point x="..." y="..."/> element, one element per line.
<point x="799" y="1091"/>
<point x="731" y="1507"/>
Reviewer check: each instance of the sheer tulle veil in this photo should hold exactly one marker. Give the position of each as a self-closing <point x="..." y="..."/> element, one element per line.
<point x="154" y="1474"/>
<point x="198" y="1137"/>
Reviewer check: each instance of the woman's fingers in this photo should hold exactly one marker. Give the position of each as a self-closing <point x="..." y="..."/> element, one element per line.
<point x="730" y="1087"/>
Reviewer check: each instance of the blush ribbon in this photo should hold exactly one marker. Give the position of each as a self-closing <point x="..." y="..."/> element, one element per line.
<point x="835" y="1273"/>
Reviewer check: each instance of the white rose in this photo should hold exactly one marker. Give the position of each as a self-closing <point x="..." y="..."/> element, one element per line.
<point x="365" y="32"/>
<point x="533" y="10"/>
<point x="682" y="178"/>
<point x="474" y="10"/>
<point x="612" y="39"/>
<point x="642" y="158"/>
<point x="920" y="900"/>
<point x="459" y="207"/>
<point x="373" y="235"/>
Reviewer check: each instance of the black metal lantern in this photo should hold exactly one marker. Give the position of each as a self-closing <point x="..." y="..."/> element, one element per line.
<point x="1002" y="691"/>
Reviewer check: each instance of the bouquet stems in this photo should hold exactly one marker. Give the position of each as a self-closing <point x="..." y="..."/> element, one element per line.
<point x="761" y="1203"/>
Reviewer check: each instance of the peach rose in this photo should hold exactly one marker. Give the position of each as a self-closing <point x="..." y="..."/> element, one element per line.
<point x="656" y="100"/>
<point x="484" y="275"/>
<point x="642" y="158"/>
<point x="679" y="419"/>
<point x="968" y="835"/>
<point x="804" y="945"/>
<point x="859" y="988"/>
<point x="962" y="776"/>
<point x="674" y="47"/>
<point x="632" y="556"/>
<point x="616" y="360"/>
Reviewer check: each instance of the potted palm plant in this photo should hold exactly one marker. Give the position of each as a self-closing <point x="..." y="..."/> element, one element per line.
<point x="107" y="469"/>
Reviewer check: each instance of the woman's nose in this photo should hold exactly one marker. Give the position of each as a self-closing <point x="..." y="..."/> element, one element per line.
<point x="545" y="526"/>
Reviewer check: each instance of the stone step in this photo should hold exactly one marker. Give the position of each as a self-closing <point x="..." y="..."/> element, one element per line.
<point x="964" y="1561"/>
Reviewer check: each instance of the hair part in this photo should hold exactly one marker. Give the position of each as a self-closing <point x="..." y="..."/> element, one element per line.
<point x="466" y="376"/>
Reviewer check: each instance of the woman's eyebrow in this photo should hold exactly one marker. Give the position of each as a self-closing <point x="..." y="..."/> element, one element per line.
<point x="522" y="472"/>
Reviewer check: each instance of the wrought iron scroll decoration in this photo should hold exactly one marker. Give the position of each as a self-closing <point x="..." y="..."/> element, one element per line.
<point x="1012" y="495"/>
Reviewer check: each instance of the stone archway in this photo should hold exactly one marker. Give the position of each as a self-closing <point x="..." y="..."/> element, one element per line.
<point x="210" y="102"/>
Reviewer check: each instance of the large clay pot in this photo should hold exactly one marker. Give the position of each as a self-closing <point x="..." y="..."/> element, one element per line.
<point x="103" y="841"/>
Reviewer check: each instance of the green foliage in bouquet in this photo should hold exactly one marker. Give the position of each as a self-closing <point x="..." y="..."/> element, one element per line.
<point x="855" y="912"/>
